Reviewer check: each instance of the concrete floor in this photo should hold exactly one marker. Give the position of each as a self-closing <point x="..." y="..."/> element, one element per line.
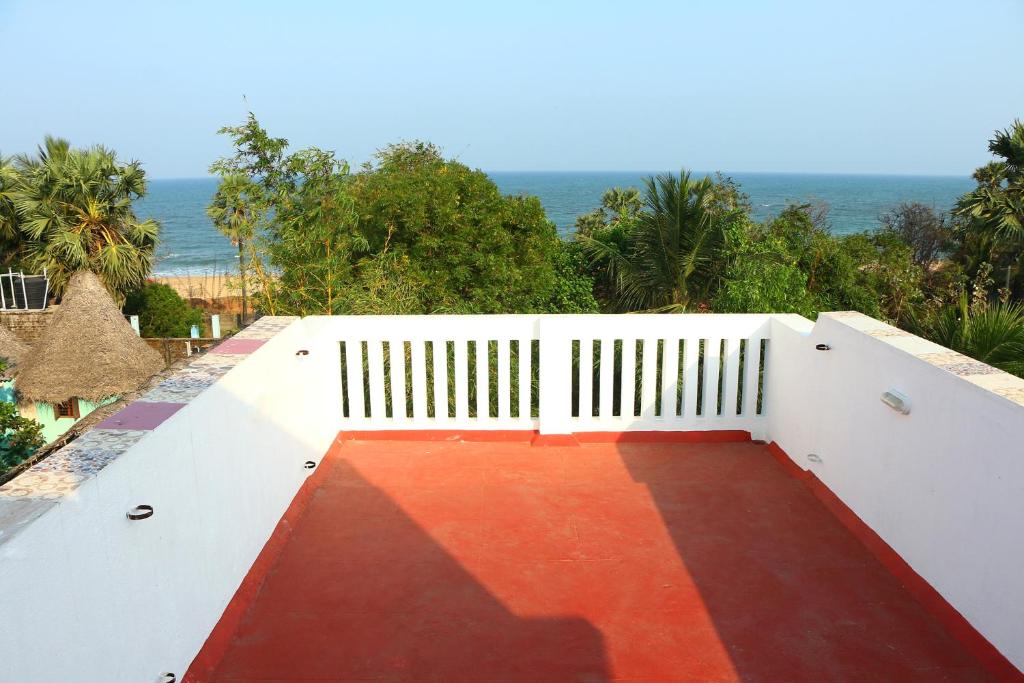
<point x="452" y="561"/>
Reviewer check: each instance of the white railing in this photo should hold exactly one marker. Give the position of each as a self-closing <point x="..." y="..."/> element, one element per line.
<point x="556" y="374"/>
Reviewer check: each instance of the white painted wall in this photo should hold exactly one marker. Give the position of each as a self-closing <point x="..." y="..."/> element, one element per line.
<point x="87" y="595"/>
<point x="944" y="485"/>
<point x="124" y="601"/>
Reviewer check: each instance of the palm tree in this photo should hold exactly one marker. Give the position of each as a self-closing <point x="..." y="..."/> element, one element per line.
<point x="991" y="334"/>
<point x="74" y="211"/>
<point x="996" y="205"/>
<point x="10" y="242"/>
<point x="668" y="260"/>
<point x="234" y="212"/>
<point x="622" y="202"/>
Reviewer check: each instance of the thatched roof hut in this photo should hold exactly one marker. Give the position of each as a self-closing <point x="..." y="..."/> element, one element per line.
<point x="11" y="350"/>
<point x="87" y="351"/>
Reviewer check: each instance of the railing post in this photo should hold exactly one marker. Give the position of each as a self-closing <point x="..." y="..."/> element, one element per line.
<point x="555" y="377"/>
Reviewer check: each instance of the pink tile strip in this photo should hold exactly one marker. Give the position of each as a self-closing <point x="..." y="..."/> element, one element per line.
<point x="238" y="346"/>
<point x="141" y="415"/>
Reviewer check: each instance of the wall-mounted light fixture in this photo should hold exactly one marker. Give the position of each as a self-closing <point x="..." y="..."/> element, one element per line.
<point x="302" y="352"/>
<point x="167" y="678"/>
<point x="896" y="401"/>
<point x="814" y="457"/>
<point x="309" y="464"/>
<point x="822" y="347"/>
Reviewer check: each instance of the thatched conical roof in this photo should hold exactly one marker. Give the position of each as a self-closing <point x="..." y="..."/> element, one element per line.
<point x="87" y="351"/>
<point x="11" y="349"/>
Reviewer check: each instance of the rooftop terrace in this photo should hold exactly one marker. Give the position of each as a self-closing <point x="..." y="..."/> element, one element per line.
<point x="710" y="498"/>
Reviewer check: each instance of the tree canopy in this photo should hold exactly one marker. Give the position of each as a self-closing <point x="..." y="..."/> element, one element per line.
<point x="68" y="210"/>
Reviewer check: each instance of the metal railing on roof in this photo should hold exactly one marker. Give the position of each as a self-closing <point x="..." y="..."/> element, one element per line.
<point x="21" y="292"/>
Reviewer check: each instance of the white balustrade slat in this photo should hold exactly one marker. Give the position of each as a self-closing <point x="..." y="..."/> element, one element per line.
<point x="417" y="352"/>
<point x="504" y="388"/>
<point x="440" y="351"/>
<point x="607" y="377"/>
<point x="375" y="357"/>
<point x="731" y="371"/>
<point x="586" y="379"/>
<point x="648" y="379"/>
<point x="354" y="367"/>
<point x="398" y="405"/>
<point x="751" y="371"/>
<point x="669" y="378"/>
<point x="691" y="379"/>
<point x="525" y="381"/>
<point x="461" y="379"/>
<point x="712" y="358"/>
<point x="483" y="394"/>
<point x="628" y="379"/>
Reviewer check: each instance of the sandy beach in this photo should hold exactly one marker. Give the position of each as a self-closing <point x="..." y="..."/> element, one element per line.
<point x="203" y="286"/>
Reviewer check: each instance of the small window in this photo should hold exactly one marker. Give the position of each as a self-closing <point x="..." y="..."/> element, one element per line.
<point x="68" y="408"/>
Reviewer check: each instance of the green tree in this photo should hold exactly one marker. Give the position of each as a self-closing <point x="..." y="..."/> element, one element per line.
<point x="10" y="237"/>
<point x="20" y="437"/>
<point x="669" y="258"/>
<point x="74" y="212"/>
<point x="236" y="213"/>
<point x="992" y="225"/>
<point x="162" y="312"/>
<point x="303" y="238"/>
<point x="763" y="275"/>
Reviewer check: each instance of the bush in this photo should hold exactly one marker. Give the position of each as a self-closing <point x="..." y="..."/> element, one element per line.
<point x="19" y="437"/>
<point x="162" y="312"/>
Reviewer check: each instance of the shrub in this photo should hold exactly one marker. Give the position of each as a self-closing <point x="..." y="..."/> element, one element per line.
<point x="162" y="312"/>
<point x="19" y="437"/>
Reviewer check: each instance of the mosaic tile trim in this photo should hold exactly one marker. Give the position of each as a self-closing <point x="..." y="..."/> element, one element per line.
<point x="62" y="472"/>
<point x="88" y="454"/>
<point x="186" y="384"/>
<point x="887" y="331"/>
<point x="236" y="346"/>
<point x="1015" y="394"/>
<point x="970" y="368"/>
<point x="266" y="327"/>
<point x="38" y="489"/>
<point x="141" y="415"/>
<point x="945" y="358"/>
<point x="980" y="374"/>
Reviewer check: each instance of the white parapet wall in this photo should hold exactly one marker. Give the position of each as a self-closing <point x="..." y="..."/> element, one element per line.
<point x="86" y="594"/>
<point x="943" y="485"/>
<point x="218" y="452"/>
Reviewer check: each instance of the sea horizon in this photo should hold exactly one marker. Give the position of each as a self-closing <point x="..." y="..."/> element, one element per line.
<point x="190" y="245"/>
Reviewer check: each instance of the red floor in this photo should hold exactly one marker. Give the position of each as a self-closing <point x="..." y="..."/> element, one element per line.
<point x="453" y="561"/>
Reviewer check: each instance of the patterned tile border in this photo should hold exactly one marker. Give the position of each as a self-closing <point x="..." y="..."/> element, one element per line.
<point x="42" y="486"/>
<point x="236" y="346"/>
<point x="143" y="415"/>
<point x="980" y="374"/>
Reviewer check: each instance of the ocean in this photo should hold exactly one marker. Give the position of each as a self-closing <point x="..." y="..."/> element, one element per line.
<point x="191" y="245"/>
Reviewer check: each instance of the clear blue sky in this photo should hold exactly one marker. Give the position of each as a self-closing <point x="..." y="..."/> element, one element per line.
<point x="900" y="86"/>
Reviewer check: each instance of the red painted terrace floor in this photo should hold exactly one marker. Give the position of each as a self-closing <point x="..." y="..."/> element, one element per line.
<point x="453" y="561"/>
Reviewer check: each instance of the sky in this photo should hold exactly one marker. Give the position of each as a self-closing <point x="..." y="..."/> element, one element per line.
<point x="901" y="86"/>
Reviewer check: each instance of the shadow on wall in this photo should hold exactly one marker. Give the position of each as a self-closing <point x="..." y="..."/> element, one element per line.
<point x="792" y="594"/>
<point x="362" y="591"/>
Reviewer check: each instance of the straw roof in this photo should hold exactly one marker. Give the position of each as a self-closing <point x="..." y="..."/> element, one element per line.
<point x="11" y="349"/>
<point x="87" y="351"/>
